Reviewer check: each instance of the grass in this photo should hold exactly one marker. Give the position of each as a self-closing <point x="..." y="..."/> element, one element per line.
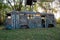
<point x="31" y="34"/>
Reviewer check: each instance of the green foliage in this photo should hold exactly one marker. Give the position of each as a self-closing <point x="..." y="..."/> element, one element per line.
<point x="3" y="11"/>
<point x="58" y="21"/>
<point x="7" y="7"/>
<point x="46" y="0"/>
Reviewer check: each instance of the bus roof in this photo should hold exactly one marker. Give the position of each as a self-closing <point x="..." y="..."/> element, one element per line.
<point x="29" y="12"/>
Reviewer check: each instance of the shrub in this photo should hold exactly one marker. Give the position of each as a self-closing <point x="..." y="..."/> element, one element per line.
<point x="58" y="21"/>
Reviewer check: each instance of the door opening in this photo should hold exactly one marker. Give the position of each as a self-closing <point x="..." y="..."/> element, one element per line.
<point x="43" y="21"/>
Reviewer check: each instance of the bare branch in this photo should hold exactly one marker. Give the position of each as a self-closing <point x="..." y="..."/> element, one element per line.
<point x="10" y="4"/>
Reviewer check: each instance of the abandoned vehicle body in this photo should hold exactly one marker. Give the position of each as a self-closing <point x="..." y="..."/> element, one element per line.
<point x="16" y="20"/>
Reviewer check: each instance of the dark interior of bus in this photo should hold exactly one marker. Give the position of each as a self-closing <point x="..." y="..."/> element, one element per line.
<point x="50" y="25"/>
<point x="43" y="21"/>
<point x="8" y="14"/>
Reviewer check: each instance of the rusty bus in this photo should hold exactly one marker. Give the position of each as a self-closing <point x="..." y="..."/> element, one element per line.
<point x="28" y="19"/>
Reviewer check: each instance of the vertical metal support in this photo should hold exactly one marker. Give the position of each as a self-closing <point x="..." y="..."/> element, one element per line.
<point x="13" y="21"/>
<point x="17" y="21"/>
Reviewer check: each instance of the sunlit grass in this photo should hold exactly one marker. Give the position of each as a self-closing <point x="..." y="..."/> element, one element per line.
<point x="31" y="34"/>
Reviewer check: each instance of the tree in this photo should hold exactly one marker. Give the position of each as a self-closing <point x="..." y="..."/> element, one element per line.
<point x="17" y="4"/>
<point x="3" y="8"/>
<point x="45" y="0"/>
<point x="45" y="4"/>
